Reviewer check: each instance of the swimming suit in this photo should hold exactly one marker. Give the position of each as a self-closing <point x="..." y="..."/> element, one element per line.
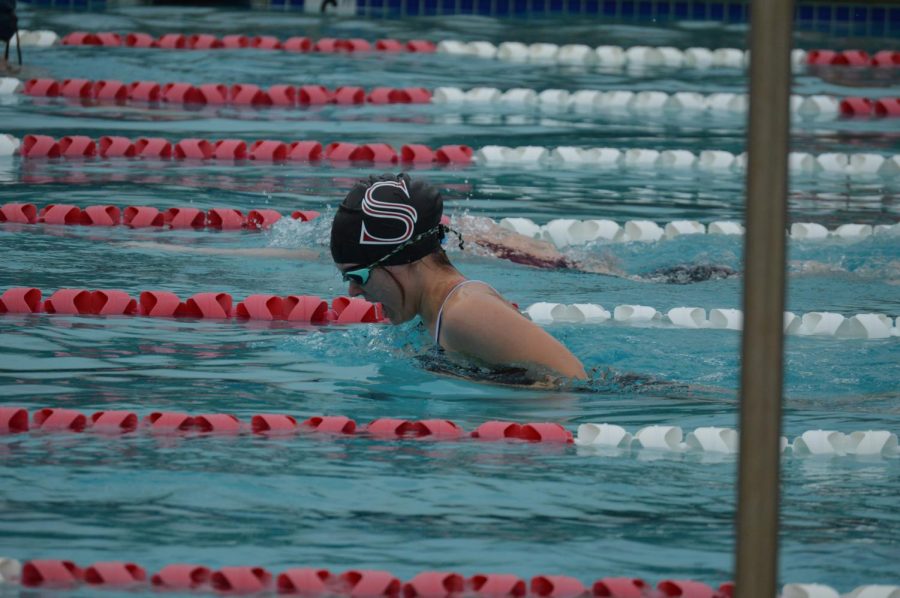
<point x="440" y="316"/>
<point x="436" y="360"/>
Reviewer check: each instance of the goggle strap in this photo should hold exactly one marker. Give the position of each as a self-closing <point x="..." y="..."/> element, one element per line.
<point x="462" y="243"/>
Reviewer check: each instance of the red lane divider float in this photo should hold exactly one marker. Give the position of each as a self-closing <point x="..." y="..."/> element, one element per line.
<point x="204" y="41"/>
<point x="353" y="583"/>
<point x="856" y="107"/>
<point x="155" y="148"/>
<point x="305" y="309"/>
<point x="14" y="420"/>
<point x="146" y="216"/>
<point x="240" y="94"/>
<point x="856" y="58"/>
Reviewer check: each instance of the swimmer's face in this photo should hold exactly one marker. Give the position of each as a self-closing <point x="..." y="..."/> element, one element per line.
<point x="382" y="287"/>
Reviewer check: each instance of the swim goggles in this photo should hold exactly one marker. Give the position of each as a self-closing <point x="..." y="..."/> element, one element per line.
<point x="361" y="275"/>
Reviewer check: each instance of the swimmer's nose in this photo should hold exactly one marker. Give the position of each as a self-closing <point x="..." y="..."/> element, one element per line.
<point x="354" y="290"/>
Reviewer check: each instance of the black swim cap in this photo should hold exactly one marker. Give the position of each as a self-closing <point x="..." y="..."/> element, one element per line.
<point x="382" y="213"/>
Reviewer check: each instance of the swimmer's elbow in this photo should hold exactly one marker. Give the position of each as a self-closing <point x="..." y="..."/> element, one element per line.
<point x="569" y="367"/>
<point x="578" y="372"/>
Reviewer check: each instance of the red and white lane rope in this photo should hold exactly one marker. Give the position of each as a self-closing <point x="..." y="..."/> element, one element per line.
<point x="566" y="232"/>
<point x="155" y="148"/>
<point x="362" y="583"/>
<point x="205" y="41"/>
<point x="815" y="107"/>
<point x="146" y="216"/>
<point x="215" y="306"/>
<point x="817" y="323"/>
<point x="610" y="56"/>
<point x="343" y="310"/>
<point x="665" y="438"/>
<point x="570" y="54"/>
<point x="354" y="583"/>
<point x="241" y="94"/>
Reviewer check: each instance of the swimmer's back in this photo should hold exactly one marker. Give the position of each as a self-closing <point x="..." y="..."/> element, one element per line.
<point x="478" y="323"/>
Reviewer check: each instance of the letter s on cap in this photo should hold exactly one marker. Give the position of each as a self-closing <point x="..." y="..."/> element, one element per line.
<point x="375" y="208"/>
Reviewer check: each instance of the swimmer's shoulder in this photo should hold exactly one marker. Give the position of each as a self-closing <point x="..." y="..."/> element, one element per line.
<point x="473" y="287"/>
<point x="485" y="327"/>
<point x="475" y="296"/>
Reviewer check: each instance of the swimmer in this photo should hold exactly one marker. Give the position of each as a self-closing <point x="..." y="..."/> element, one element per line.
<point x="386" y="242"/>
<point x="492" y="239"/>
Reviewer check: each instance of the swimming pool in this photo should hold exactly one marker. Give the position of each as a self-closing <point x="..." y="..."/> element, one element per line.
<point x="411" y="506"/>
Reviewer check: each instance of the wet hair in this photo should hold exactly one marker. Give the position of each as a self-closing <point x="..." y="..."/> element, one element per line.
<point x="439" y="257"/>
<point x="689" y="273"/>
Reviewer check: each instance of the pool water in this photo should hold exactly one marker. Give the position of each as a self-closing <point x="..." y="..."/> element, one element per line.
<point x="413" y="506"/>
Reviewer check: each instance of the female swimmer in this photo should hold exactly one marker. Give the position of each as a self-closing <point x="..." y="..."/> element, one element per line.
<point x="386" y="241"/>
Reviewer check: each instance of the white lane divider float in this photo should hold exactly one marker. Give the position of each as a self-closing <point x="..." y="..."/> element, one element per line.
<point x="641" y="103"/>
<point x="726" y="440"/>
<point x="10" y="86"/>
<point x="9" y="145"/>
<point x="872" y="591"/>
<point x="10" y="570"/>
<point x="827" y="164"/>
<point x="816" y="590"/>
<point x="565" y="232"/>
<point x="608" y="56"/>
<point x="635" y="314"/>
<point x="821" y="324"/>
<point x="808" y="590"/>
<point x="40" y="38"/>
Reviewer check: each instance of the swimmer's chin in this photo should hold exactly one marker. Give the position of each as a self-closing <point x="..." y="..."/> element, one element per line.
<point x="392" y="318"/>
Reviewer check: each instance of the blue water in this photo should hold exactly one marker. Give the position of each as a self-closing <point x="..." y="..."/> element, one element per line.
<point x="407" y="507"/>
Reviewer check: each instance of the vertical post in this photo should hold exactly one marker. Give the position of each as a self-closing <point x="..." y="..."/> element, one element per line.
<point x="764" y="281"/>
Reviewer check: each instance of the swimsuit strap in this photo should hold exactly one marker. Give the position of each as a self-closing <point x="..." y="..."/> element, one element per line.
<point x="437" y="325"/>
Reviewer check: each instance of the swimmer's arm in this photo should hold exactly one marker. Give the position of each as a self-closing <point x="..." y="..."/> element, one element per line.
<point x="269" y="252"/>
<point x="503" y="243"/>
<point x="489" y="235"/>
<point x="494" y="333"/>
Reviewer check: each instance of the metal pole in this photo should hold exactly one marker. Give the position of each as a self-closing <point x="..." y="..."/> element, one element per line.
<point x="764" y="280"/>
